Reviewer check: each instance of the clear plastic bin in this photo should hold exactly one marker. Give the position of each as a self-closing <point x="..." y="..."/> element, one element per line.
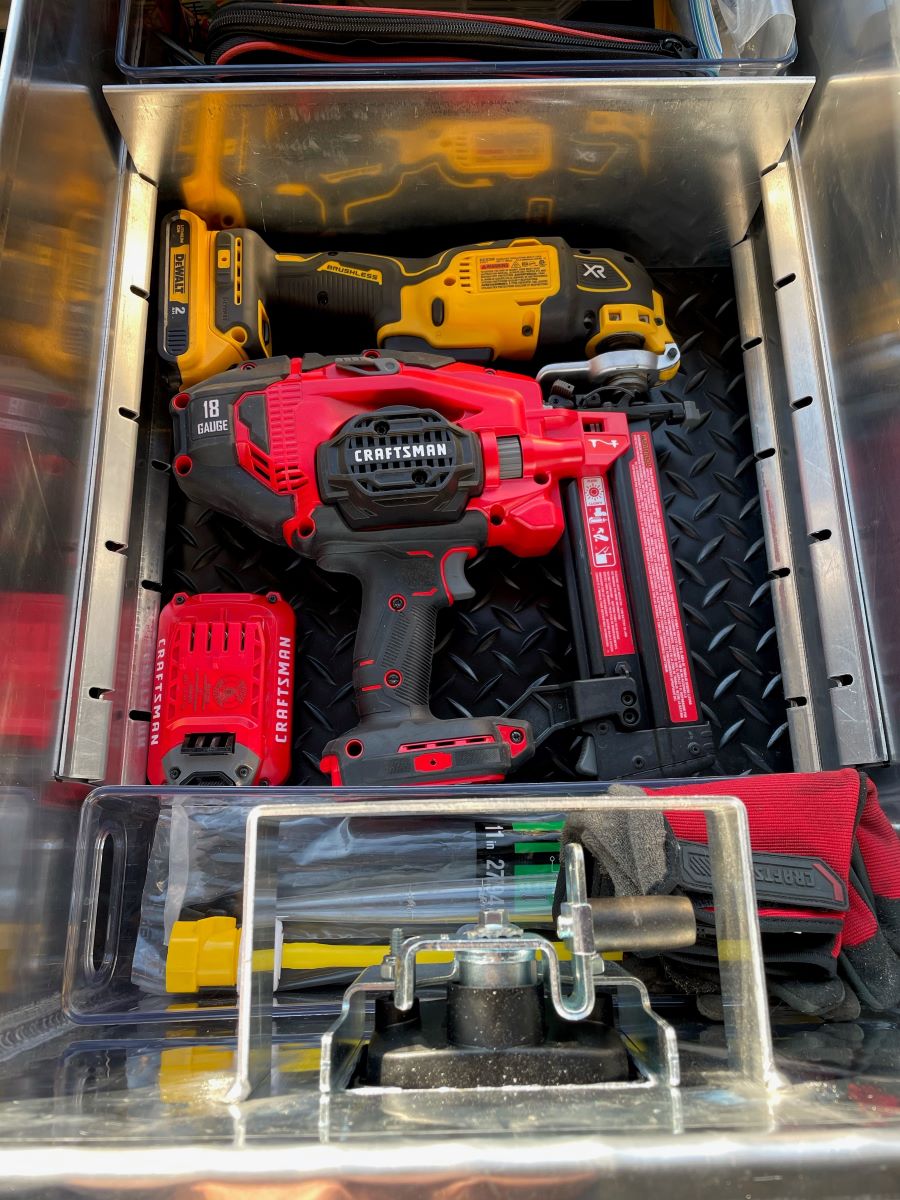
<point x="434" y="874"/>
<point x="140" y="56"/>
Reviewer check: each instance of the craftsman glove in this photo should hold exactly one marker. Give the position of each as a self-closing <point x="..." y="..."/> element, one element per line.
<point x="871" y="938"/>
<point x="827" y="874"/>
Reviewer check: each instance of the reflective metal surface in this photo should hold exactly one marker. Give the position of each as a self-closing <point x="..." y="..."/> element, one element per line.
<point x="136" y="650"/>
<point x="850" y="203"/>
<point x="58" y="183"/>
<point x="97" y="651"/>
<point x="140" y="1114"/>
<point x="104" y="1106"/>
<point x="669" y="168"/>
<point x="810" y="716"/>
<point x="672" y="170"/>
<point x="828" y="526"/>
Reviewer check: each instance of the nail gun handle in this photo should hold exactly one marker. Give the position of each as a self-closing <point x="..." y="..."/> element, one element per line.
<point x="407" y="576"/>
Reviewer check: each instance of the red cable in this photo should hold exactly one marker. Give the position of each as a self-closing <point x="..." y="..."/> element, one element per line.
<point x="319" y="55"/>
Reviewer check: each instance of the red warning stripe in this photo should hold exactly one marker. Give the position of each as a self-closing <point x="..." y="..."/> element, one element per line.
<point x="673" y="652"/>
<point x="606" y="567"/>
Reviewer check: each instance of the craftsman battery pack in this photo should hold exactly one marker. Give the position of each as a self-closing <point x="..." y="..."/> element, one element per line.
<point x="222" y="691"/>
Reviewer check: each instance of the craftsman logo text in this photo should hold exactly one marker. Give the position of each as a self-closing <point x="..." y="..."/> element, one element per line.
<point x="401" y="453"/>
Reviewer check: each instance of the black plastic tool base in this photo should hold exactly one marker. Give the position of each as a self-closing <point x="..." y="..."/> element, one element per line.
<point x="417" y="1055"/>
<point x="515" y="632"/>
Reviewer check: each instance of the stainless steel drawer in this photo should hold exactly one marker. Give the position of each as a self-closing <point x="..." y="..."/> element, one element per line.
<point x="692" y="173"/>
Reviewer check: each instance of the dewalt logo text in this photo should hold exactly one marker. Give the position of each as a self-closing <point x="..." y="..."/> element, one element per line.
<point x="178" y="273"/>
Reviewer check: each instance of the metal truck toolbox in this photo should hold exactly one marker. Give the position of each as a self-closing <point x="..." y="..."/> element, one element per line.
<point x="763" y="210"/>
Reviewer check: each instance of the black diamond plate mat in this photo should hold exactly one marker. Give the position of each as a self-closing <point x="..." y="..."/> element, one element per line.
<point x="515" y="631"/>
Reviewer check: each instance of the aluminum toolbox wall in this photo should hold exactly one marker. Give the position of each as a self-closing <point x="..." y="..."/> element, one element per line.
<point x="59" y="180"/>
<point x="850" y="205"/>
<point x="657" y="162"/>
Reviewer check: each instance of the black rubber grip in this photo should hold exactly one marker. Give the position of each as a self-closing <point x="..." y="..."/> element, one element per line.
<point x="321" y="283"/>
<point x="407" y="577"/>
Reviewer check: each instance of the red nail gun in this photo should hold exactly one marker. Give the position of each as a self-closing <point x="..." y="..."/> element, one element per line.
<point x="398" y="469"/>
<point x="627" y="619"/>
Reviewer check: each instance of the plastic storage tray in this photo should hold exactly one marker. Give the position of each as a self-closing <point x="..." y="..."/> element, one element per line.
<point x="115" y="840"/>
<point x="140" y="51"/>
<point x="371" y="833"/>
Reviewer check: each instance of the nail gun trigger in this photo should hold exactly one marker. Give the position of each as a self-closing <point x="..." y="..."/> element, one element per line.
<point x="586" y="766"/>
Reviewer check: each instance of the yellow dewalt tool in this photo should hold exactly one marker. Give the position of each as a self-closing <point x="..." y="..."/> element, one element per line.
<point x="491" y="300"/>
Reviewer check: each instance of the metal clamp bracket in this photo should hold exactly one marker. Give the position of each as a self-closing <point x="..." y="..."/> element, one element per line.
<point x="496" y="944"/>
<point x="632" y="370"/>
<point x="747" y="1033"/>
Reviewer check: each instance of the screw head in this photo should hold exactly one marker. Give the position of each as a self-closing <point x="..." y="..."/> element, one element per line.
<point x="672" y="352"/>
<point x="180" y="599"/>
<point x="392" y="678"/>
<point x="175" y="773"/>
<point x="242" y="772"/>
<point x="272" y="597"/>
<point x="517" y="737"/>
<point x="693" y="748"/>
<point x="397" y="603"/>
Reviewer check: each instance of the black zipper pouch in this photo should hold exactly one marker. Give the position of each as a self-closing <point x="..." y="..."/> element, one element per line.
<point x="247" y="32"/>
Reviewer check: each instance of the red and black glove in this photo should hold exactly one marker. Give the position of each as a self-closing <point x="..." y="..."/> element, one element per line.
<point x="827" y="877"/>
<point x="870" y="947"/>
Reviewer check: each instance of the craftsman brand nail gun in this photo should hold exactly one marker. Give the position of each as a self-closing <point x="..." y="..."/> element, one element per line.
<point x="492" y="300"/>
<point x="627" y="619"/>
<point x="398" y="469"/>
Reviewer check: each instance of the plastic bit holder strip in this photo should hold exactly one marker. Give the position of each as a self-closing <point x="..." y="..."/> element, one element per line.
<point x="748" y="1034"/>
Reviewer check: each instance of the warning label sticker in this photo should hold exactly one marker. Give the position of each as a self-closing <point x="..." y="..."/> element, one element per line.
<point x="511" y="270"/>
<point x="606" y="570"/>
<point x="673" y="652"/>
